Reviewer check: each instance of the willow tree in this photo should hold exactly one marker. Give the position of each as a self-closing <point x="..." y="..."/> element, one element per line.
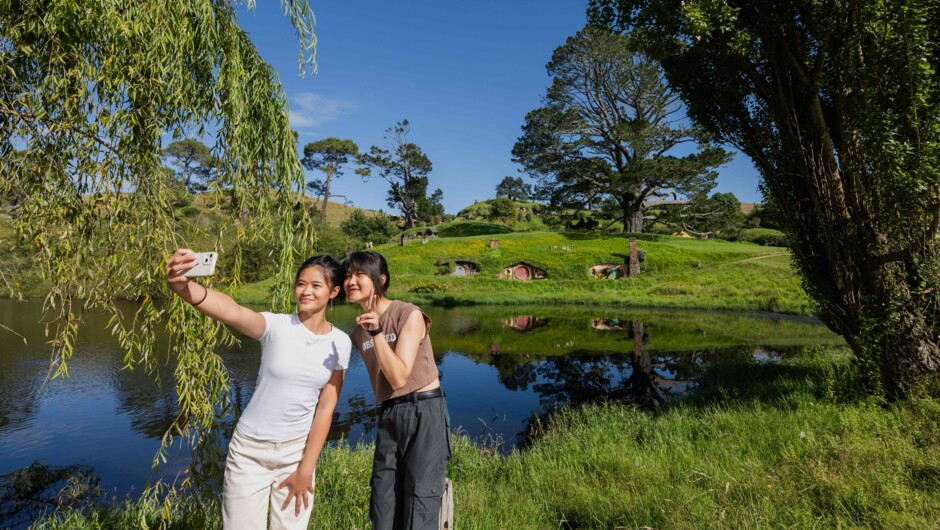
<point x="837" y="102"/>
<point x="88" y="91"/>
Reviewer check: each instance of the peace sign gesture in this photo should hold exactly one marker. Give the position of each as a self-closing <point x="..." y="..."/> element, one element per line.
<point x="369" y="320"/>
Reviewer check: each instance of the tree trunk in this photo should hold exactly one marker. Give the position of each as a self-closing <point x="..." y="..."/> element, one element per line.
<point x="911" y="354"/>
<point x="903" y="338"/>
<point x="632" y="221"/>
<point x="326" y="196"/>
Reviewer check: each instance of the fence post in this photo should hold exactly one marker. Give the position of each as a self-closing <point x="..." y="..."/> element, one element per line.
<point x="447" y="506"/>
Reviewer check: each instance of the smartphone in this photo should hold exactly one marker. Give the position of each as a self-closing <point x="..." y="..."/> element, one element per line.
<point x="205" y="265"/>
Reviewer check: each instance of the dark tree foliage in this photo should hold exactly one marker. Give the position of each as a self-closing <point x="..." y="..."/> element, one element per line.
<point x="837" y="102"/>
<point x="514" y="189"/>
<point x="405" y="168"/>
<point x="327" y="155"/>
<point x="196" y="165"/>
<point x="606" y="134"/>
<point x="705" y="216"/>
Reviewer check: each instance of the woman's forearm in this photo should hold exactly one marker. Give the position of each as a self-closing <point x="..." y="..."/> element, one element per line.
<point x="322" y="420"/>
<point x="393" y="367"/>
<point x="397" y="363"/>
<point x="224" y="308"/>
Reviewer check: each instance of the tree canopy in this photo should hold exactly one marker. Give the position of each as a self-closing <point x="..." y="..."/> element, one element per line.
<point x="194" y="160"/>
<point x="327" y="155"/>
<point x="606" y="133"/>
<point x="88" y="91"/>
<point x="514" y="189"/>
<point x="405" y="168"/>
<point x="837" y="103"/>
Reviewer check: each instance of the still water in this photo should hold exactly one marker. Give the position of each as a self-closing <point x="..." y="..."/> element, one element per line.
<point x="500" y="365"/>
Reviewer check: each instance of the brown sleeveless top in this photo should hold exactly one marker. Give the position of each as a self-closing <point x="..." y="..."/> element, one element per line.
<point x="393" y="321"/>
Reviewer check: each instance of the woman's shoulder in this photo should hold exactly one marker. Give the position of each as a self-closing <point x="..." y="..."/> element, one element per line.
<point x="274" y="321"/>
<point x="403" y="308"/>
<point x="337" y="334"/>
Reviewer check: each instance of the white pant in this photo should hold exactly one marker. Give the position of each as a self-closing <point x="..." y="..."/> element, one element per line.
<point x="253" y="469"/>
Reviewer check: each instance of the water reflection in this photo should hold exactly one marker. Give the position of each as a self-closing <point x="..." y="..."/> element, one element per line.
<point x="27" y="493"/>
<point x="523" y="323"/>
<point x="500" y="365"/>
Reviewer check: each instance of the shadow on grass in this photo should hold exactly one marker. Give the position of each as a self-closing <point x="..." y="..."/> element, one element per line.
<point x="589" y="235"/>
<point x="782" y="383"/>
<point x="744" y="382"/>
<point x="830" y="375"/>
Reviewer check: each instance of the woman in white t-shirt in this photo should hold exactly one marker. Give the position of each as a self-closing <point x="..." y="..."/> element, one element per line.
<point x="273" y="454"/>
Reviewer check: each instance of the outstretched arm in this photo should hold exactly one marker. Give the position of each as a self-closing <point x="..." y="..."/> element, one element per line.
<point x="211" y="303"/>
<point x="300" y="482"/>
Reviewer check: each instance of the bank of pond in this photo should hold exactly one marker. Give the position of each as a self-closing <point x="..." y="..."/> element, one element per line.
<point x="552" y="432"/>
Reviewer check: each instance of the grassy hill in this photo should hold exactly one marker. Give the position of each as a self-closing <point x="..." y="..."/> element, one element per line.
<point x="677" y="273"/>
<point x="680" y="273"/>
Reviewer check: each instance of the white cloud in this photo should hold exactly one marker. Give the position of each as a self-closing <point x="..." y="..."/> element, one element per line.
<point x="309" y="110"/>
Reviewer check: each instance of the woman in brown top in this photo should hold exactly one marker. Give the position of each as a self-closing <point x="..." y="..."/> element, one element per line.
<point x="412" y="443"/>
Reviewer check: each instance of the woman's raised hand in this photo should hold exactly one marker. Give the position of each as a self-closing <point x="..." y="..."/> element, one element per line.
<point x="369" y="319"/>
<point x="181" y="261"/>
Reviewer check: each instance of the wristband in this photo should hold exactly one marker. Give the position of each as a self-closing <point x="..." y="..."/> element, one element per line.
<point x="374" y="332"/>
<point x="204" y="296"/>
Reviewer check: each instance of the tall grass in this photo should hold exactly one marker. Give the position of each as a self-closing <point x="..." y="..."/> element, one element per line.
<point x="779" y="444"/>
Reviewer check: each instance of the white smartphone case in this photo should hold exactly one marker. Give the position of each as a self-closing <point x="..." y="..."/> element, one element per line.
<point x="205" y="265"/>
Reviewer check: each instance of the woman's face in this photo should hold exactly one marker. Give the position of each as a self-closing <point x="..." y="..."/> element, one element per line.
<point x="312" y="290"/>
<point x="358" y="286"/>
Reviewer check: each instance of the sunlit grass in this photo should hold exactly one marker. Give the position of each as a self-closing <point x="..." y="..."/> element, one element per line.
<point x="780" y="444"/>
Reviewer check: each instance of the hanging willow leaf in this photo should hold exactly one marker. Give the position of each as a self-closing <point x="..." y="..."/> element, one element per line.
<point x="88" y="91"/>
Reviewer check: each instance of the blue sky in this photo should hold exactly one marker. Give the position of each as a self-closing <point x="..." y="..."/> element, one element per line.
<point x="464" y="74"/>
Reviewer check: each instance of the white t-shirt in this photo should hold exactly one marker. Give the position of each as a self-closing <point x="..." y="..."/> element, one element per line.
<point x="295" y="365"/>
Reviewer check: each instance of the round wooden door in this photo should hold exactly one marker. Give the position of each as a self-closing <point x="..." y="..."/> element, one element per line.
<point x="521" y="273"/>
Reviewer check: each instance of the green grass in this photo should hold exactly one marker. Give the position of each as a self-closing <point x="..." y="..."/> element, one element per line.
<point x="677" y="273"/>
<point x="471" y="228"/>
<point x="523" y="218"/>
<point x="783" y="444"/>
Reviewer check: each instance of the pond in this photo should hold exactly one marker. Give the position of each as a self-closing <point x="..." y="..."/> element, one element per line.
<point x="500" y="365"/>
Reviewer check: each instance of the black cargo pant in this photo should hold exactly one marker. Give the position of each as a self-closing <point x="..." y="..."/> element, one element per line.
<point x="412" y="447"/>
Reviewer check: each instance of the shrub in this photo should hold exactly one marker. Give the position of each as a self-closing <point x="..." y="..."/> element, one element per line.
<point x="760" y="236"/>
<point x="335" y="242"/>
<point x="378" y="229"/>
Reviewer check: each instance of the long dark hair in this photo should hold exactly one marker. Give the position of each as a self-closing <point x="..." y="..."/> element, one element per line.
<point x="332" y="270"/>
<point x="371" y="263"/>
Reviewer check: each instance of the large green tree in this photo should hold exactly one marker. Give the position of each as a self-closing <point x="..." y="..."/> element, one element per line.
<point x="608" y="130"/>
<point x="514" y="189"/>
<point x="837" y="102"/>
<point x="88" y="91"/>
<point x="405" y="168"/>
<point x="194" y="161"/>
<point x="327" y="155"/>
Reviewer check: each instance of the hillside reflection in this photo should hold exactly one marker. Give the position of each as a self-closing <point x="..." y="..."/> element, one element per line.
<point x="499" y="366"/>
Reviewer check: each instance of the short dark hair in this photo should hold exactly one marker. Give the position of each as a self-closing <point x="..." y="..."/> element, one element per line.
<point x="373" y="264"/>
<point x="332" y="270"/>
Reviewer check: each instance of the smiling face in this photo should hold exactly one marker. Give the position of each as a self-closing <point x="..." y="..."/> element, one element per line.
<point x="358" y="286"/>
<point x="313" y="290"/>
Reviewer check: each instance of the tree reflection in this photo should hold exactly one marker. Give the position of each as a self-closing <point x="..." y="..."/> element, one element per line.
<point x="633" y="378"/>
<point x="26" y="493"/>
<point x="359" y="410"/>
<point x="514" y="374"/>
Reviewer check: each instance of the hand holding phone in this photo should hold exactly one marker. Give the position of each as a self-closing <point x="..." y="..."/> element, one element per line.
<point x="204" y="265"/>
